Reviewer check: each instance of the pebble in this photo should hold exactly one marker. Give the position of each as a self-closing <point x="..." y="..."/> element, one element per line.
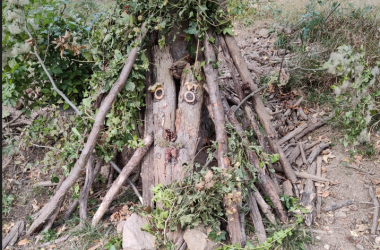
<point x="318" y="237"/>
<point x="327" y="247"/>
<point x="359" y="247"/>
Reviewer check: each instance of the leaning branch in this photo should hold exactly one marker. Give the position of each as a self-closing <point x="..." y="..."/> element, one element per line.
<point x="47" y="72"/>
<point x="89" y="147"/>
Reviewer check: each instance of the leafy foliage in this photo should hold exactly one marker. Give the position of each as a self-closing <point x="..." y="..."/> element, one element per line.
<point x="6" y="203"/>
<point x="357" y="94"/>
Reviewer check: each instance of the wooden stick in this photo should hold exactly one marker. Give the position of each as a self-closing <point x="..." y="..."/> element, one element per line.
<point x="48" y="210"/>
<point x="301" y="114"/>
<point x="376" y="212"/>
<point x="292" y="134"/>
<point x="309" y="196"/>
<point x="288" y="189"/>
<point x="358" y="169"/>
<point x="256" y="219"/>
<point x="296" y="151"/>
<point x="302" y="153"/>
<point x="13" y="234"/>
<point x="265" y="182"/>
<point x="339" y="205"/>
<point x="86" y="189"/>
<point x="319" y="189"/>
<point x="259" y="105"/>
<point x="310" y="128"/>
<point x="44" y="184"/>
<point x="127" y="170"/>
<point x="216" y="104"/>
<point x="147" y="163"/>
<point x="113" y="164"/>
<point x="316" y="151"/>
<point x="265" y="208"/>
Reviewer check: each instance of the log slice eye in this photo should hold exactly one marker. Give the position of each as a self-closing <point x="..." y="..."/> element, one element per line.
<point x="189" y="96"/>
<point x="159" y="93"/>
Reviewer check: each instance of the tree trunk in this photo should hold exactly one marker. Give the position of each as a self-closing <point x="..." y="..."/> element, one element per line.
<point x="49" y="209"/>
<point x="164" y="116"/>
<point x="86" y="188"/>
<point x="188" y="119"/>
<point x="147" y="164"/>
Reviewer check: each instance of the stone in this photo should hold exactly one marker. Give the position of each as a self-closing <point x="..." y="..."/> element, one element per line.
<point x="318" y="237"/>
<point x="134" y="238"/>
<point x="327" y="247"/>
<point x="358" y="246"/>
<point x="264" y="33"/>
<point x="196" y="239"/>
<point x="120" y="226"/>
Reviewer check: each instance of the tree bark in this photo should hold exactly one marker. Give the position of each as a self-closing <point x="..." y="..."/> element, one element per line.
<point x="292" y="134"/>
<point x="288" y="189"/>
<point x="121" y="179"/>
<point x="147" y="164"/>
<point x="256" y="219"/>
<point x="265" y="182"/>
<point x="163" y="116"/>
<point x="48" y="210"/>
<point x="265" y="208"/>
<point x="376" y="212"/>
<point x="86" y="188"/>
<point x="296" y="151"/>
<point x="188" y="119"/>
<point x="259" y="106"/>
<point x="216" y="104"/>
<point x="316" y="151"/>
<point x="309" y="195"/>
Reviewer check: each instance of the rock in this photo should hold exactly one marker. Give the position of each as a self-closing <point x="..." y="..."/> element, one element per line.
<point x="340" y="214"/>
<point x="134" y="238"/>
<point x="327" y="247"/>
<point x="105" y="171"/>
<point x="264" y="33"/>
<point x="196" y="239"/>
<point x="358" y="246"/>
<point x="318" y="237"/>
<point x="377" y="240"/>
<point x="120" y="226"/>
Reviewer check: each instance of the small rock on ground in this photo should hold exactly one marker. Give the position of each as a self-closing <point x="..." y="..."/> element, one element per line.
<point x="327" y="247"/>
<point x="134" y="238"/>
<point x="196" y="239"/>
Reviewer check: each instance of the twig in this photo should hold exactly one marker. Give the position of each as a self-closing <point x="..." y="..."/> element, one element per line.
<point x="376" y="212"/>
<point x="113" y="164"/>
<point x="166" y="222"/>
<point x="359" y="169"/>
<point x="40" y="146"/>
<point x="47" y="72"/>
<point x="249" y="96"/>
<point x="7" y="124"/>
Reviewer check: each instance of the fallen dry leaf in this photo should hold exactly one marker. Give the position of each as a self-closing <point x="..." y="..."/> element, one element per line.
<point x="378" y="192"/>
<point x="96" y="246"/>
<point x="7" y="227"/>
<point x="324" y="194"/>
<point x="121" y="214"/>
<point x="61" y="229"/>
<point x="346" y="160"/>
<point x="36" y="206"/>
<point x="52" y="246"/>
<point x="323" y="169"/>
<point x="358" y="158"/>
<point x="327" y="157"/>
<point x="23" y="242"/>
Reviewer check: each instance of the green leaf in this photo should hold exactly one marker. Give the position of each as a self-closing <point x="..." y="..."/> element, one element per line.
<point x="66" y="106"/>
<point x="228" y="30"/>
<point x="211" y="40"/>
<point x="76" y="132"/>
<point x="161" y="42"/>
<point x="130" y="86"/>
